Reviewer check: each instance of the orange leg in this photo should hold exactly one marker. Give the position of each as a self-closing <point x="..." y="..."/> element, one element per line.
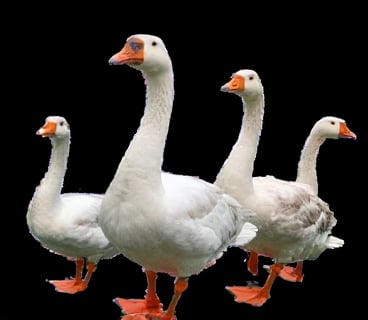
<point x="181" y="284"/>
<point x="256" y="296"/>
<point x="293" y="274"/>
<point x="76" y="284"/>
<point x="252" y="263"/>
<point x="140" y="308"/>
<point x="91" y="268"/>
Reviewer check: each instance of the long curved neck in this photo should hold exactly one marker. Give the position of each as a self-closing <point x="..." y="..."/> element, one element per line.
<point x="143" y="159"/>
<point x="307" y="166"/>
<point x="237" y="171"/>
<point x="48" y="192"/>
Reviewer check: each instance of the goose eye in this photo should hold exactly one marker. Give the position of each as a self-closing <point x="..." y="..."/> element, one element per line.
<point x="251" y="77"/>
<point x="62" y="123"/>
<point x="332" y="122"/>
<point x="154" y="43"/>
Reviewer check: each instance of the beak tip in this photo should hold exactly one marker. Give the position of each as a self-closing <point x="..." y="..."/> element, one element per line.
<point x="224" y="88"/>
<point x="112" y="61"/>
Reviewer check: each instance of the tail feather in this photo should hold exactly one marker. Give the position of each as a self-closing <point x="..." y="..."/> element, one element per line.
<point x="334" y="242"/>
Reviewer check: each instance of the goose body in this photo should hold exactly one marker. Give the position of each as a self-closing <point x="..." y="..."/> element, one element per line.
<point x="294" y="224"/>
<point x="165" y="222"/>
<point x="66" y="223"/>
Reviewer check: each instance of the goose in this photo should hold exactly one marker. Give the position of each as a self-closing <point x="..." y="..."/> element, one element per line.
<point x="293" y="223"/>
<point x="165" y="222"/>
<point x="66" y="223"/>
<point x="327" y="127"/>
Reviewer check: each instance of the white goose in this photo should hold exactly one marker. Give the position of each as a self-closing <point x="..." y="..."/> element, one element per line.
<point x="294" y="224"/>
<point x="165" y="222"/>
<point x="328" y="127"/>
<point x="66" y="224"/>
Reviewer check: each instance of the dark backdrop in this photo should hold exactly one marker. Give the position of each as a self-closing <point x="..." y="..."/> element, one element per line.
<point x="310" y="63"/>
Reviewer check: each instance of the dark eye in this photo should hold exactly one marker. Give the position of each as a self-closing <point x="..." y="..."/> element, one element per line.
<point x="333" y="123"/>
<point x="62" y="123"/>
<point x="154" y="43"/>
<point x="251" y="77"/>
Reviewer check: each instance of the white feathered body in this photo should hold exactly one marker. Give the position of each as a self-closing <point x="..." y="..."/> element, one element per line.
<point x="292" y="224"/>
<point x="69" y="226"/>
<point x="177" y="240"/>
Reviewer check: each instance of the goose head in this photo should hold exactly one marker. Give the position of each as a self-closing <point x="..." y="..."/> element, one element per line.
<point x="245" y="83"/>
<point x="333" y="128"/>
<point x="55" y="127"/>
<point x="143" y="52"/>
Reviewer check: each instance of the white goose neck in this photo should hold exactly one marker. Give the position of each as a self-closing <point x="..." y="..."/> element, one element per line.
<point x="237" y="171"/>
<point x="307" y="166"/>
<point x="144" y="156"/>
<point x="48" y="192"/>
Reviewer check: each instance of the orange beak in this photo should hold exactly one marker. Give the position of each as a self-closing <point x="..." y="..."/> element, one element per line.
<point x="345" y="132"/>
<point x="47" y="130"/>
<point x="236" y="84"/>
<point x="132" y="53"/>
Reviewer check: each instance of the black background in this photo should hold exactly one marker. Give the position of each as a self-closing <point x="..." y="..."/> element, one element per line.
<point x="310" y="62"/>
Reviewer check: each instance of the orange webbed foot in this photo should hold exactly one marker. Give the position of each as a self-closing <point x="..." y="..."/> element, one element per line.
<point x="70" y="286"/>
<point x="289" y="273"/>
<point x="139" y="308"/>
<point x="255" y="296"/>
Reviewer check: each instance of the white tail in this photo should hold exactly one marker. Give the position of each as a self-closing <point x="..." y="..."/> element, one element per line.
<point x="334" y="242"/>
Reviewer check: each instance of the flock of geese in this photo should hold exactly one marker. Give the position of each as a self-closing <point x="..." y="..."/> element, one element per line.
<point x="177" y="224"/>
